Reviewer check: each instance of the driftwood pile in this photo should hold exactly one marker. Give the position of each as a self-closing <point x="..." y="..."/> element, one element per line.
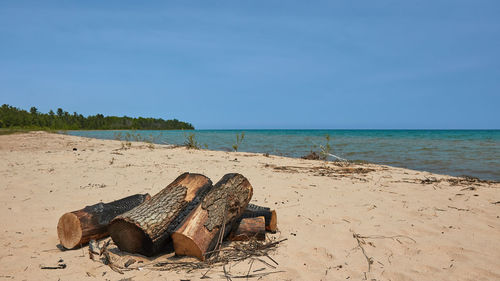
<point x="191" y="213"/>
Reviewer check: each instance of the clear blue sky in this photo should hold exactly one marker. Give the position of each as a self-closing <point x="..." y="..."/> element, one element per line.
<point x="258" y="64"/>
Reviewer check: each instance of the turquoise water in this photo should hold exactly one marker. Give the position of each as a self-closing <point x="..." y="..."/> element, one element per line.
<point x="453" y="152"/>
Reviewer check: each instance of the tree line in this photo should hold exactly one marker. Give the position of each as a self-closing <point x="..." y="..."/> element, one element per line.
<point x="13" y="117"/>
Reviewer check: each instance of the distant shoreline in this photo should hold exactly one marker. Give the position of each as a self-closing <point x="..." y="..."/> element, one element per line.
<point x="453" y="152"/>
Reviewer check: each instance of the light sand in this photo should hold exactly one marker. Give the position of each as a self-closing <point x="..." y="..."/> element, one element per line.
<point x="440" y="231"/>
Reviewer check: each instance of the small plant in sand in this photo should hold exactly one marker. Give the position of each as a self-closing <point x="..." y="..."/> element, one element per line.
<point x="325" y="149"/>
<point x="126" y="145"/>
<point x="191" y="142"/>
<point x="239" y="140"/>
<point x="323" y="153"/>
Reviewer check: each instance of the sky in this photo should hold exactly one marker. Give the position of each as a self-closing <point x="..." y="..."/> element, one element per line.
<point x="258" y="64"/>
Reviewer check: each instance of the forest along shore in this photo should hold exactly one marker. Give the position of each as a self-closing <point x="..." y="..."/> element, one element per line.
<point x="342" y="220"/>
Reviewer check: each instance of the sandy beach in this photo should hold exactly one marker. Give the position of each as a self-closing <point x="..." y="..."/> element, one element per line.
<point x="342" y="221"/>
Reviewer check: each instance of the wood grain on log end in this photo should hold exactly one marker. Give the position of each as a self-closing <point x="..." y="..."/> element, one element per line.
<point x="273" y="224"/>
<point x="185" y="246"/>
<point x="250" y="228"/>
<point x="69" y="230"/>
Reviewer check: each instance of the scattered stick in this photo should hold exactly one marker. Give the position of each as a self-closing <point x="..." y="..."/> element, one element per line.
<point x="204" y="276"/>
<point x="459" y="209"/>
<point x="225" y="273"/>
<point x="360" y="239"/>
<point x="250" y="268"/>
<point x="386" y="237"/>
<point x="60" y="265"/>
<point x="360" y="242"/>
<point x="266" y="263"/>
<point x="260" y="275"/>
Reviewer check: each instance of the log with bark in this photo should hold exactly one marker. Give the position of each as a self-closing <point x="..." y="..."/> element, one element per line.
<point x="269" y="215"/>
<point x="79" y="227"/>
<point x="248" y="229"/>
<point x="146" y="229"/>
<point x="206" y="226"/>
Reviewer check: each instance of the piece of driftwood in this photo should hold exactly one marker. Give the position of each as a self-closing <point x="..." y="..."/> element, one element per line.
<point x="78" y="227"/>
<point x="248" y="229"/>
<point x="269" y="215"/>
<point x="205" y="227"/>
<point x="146" y="229"/>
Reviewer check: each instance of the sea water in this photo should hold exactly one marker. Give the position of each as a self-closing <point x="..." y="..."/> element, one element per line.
<point x="453" y="152"/>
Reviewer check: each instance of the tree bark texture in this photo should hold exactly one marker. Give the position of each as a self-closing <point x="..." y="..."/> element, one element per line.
<point x="146" y="229"/>
<point x="205" y="227"/>
<point x="79" y="227"/>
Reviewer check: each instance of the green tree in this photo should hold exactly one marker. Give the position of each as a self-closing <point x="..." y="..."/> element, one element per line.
<point x="14" y="117"/>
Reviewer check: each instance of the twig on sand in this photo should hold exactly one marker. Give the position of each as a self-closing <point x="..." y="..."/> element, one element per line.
<point x="228" y="278"/>
<point x="360" y="239"/>
<point x="254" y="275"/>
<point x="458" y="209"/>
<point x="250" y="268"/>
<point x="204" y="275"/>
<point x="60" y="265"/>
<point x="395" y="237"/>
<point x="360" y="242"/>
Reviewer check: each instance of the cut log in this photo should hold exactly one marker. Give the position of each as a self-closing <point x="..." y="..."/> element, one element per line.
<point x="248" y="229"/>
<point x="205" y="227"/>
<point x="79" y="227"/>
<point x="253" y="211"/>
<point x="146" y="229"/>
